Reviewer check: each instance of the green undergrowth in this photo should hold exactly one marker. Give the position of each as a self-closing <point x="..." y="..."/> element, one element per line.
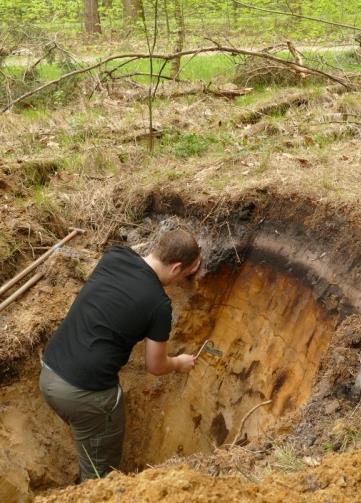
<point x="186" y="144"/>
<point x="206" y="68"/>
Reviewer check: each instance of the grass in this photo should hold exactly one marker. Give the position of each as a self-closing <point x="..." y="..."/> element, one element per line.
<point x="350" y="103"/>
<point x="259" y="95"/>
<point x="185" y="145"/>
<point x="35" y="114"/>
<point x="41" y="197"/>
<point x="286" y="460"/>
<point x="73" y="162"/>
<point x="264" y="163"/>
<point x="328" y="447"/>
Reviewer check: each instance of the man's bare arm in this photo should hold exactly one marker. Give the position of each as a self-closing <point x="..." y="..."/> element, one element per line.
<point x="158" y="362"/>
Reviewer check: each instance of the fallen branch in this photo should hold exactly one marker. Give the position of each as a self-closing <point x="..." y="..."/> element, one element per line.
<point x="252" y="116"/>
<point x="140" y="74"/>
<point x="293" y="14"/>
<point x="156" y="133"/>
<point x="218" y="93"/>
<point x="125" y="76"/>
<point x="196" y="90"/>
<point x="168" y="57"/>
<point x="245" y="417"/>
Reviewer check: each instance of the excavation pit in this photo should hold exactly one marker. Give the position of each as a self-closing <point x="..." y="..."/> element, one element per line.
<point x="272" y="334"/>
<point x="273" y="327"/>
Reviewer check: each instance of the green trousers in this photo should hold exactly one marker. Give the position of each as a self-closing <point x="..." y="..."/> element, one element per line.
<point x="96" y="419"/>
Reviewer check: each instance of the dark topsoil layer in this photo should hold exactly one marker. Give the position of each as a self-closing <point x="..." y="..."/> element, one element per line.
<point x="317" y="242"/>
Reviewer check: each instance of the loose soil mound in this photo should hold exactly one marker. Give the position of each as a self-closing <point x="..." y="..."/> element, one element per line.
<point x="337" y="479"/>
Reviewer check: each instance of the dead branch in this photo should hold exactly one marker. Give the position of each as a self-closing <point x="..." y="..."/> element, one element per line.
<point x="143" y="74"/>
<point x="194" y="91"/>
<point x="296" y="55"/>
<point x="222" y="93"/>
<point x="168" y="57"/>
<point x="127" y="76"/>
<point x="109" y="73"/>
<point x="245" y="417"/>
<point x="293" y="14"/>
<point x="280" y="106"/>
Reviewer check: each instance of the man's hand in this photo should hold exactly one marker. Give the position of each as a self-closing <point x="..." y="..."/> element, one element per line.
<point x="158" y="362"/>
<point x="184" y="363"/>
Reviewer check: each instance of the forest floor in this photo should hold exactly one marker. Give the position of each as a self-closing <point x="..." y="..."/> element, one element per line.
<point x="271" y="184"/>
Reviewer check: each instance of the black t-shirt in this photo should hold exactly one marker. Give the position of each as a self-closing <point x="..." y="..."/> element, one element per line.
<point x="122" y="302"/>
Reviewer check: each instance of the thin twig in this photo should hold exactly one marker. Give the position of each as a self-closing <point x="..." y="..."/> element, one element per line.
<point x="245" y="417"/>
<point x="109" y="74"/>
<point x="159" y="76"/>
<point x="233" y="244"/>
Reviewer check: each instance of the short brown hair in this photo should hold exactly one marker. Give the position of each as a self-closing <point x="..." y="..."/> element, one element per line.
<point x="176" y="246"/>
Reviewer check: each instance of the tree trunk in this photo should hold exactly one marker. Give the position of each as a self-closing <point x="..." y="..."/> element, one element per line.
<point x="91" y="16"/>
<point x="180" y="34"/>
<point x="131" y="12"/>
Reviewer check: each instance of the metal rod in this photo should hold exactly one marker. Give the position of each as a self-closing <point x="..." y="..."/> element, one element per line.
<point x="38" y="261"/>
<point x="201" y="349"/>
<point x="22" y="289"/>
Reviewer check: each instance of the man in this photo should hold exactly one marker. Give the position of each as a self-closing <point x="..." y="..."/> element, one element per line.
<point x="122" y="303"/>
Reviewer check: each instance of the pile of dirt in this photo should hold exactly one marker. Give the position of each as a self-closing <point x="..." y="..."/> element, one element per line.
<point x="338" y="478"/>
